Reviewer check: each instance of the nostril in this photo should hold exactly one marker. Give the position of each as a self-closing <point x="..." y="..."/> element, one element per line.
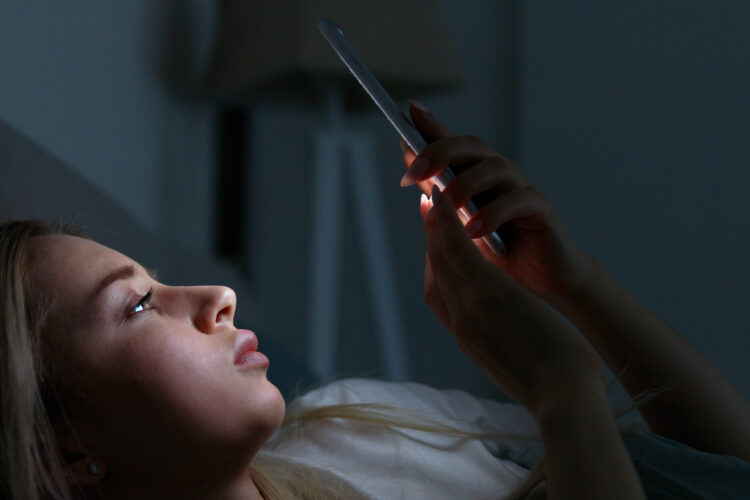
<point x="225" y="314"/>
<point x="227" y="301"/>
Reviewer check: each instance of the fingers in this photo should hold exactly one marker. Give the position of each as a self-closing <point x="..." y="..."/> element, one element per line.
<point x="448" y="151"/>
<point x="429" y="126"/>
<point x="526" y="207"/>
<point x="432" y="293"/>
<point x="426" y="204"/>
<point x="446" y="275"/>
<point x="494" y="173"/>
<point x="454" y="257"/>
<point x="439" y="153"/>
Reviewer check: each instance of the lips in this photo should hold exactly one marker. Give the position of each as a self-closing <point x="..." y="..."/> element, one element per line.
<point x="246" y="343"/>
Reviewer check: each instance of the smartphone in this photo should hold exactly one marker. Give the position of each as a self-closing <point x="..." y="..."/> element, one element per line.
<point x="335" y="37"/>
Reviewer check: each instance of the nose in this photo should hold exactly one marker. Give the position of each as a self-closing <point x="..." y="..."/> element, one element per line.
<point x="214" y="308"/>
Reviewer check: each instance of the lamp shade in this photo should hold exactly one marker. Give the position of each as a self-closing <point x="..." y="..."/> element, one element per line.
<point x="274" y="48"/>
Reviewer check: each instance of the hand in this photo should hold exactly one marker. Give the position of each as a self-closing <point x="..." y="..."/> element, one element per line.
<point x="523" y="346"/>
<point x="541" y="255"/>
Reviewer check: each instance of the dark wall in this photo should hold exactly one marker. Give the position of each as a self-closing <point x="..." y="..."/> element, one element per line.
<point x="635" y="120"/>
<point x="631" y="116"/>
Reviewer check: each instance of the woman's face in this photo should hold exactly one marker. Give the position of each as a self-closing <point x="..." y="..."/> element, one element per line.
<point x="151" y="387"/>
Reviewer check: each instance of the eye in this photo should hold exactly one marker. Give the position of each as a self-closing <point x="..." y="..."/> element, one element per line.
<point x="143" y="303"/>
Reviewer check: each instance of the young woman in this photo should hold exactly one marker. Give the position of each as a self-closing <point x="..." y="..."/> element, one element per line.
<point x="117" y="386"/>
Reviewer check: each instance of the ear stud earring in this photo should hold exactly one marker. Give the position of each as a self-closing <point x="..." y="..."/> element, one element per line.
<point x="95" y="468"/>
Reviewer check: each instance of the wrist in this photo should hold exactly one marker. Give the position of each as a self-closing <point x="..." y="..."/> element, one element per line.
<point x="591" y="273"/>
<point x="581" y="425"/>
<point x="576" y="397"/>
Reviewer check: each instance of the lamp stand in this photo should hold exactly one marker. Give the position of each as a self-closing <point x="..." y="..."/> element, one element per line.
<point x="335" y="147"/>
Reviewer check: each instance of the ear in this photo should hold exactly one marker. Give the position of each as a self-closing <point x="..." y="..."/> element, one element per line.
<point x="81" y="466"/>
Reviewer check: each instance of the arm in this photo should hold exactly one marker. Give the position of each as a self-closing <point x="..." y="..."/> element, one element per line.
<point x="700" y="408"/>
<point x="529" y="352"/>
<point x="584" y="455"/>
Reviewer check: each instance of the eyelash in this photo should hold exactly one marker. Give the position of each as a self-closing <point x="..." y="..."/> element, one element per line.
<point x="143" y="303"/>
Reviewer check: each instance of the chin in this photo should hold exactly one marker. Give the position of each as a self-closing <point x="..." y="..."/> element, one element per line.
<point x="273" y="405"/>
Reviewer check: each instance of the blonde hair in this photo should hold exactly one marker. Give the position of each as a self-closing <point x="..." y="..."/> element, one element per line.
<point x="30" y="465"/>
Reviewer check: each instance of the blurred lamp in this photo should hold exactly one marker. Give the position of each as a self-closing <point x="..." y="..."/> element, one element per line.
<point x="274" y="48"/>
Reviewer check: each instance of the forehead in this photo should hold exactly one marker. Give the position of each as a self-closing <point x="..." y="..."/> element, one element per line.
<point x="68" y="267"/>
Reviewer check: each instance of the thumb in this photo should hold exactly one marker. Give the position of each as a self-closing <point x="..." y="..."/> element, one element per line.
<point x="427" y="124"/>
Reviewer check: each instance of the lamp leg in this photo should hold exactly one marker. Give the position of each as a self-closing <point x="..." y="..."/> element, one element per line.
<point x="379" y="265"/>
<point x="327" y="192"/>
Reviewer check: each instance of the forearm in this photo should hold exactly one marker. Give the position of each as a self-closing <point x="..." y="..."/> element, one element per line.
<point x="584" y="454"/>
<point x="700" y="407"/>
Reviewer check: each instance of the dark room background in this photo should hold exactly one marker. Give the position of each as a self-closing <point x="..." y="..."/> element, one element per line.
<point x="631" y="116"/>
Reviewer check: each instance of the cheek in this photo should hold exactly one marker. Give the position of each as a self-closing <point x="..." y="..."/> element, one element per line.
<point x="184" y="382"/>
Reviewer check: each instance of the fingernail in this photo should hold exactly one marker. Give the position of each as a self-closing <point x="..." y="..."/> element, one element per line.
<point x="421" y="107"/>
<point x="403" y="145"/>
<point x="473" y="226"/>
<point x="415" y="172"/>
<point x="436" y="195"/>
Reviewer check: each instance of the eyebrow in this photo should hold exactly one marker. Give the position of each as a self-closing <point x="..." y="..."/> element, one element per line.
<point x="121" y="273"/>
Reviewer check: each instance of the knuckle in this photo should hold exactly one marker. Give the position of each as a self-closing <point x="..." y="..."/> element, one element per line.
<point x="502" y="172"/>
<point x="500" y="177"/>
<point x="499" y="163"/>
<point x="515" y="196"/>
<point x="524" y="195"/>
<point x="474" y="140"/>
<point x="516" y="171"/>
<point x="512" y="170"/>
<point x="513" y="164"/>
<point x="544" y="202"/>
